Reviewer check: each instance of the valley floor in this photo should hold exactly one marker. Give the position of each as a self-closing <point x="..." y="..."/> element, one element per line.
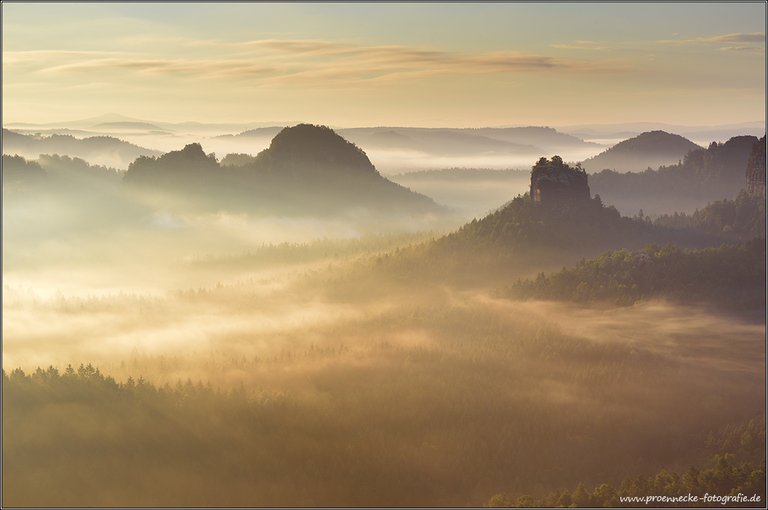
<point x="293" y="386"/>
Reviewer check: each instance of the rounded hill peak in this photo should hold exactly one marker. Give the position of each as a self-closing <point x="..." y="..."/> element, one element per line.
<point x="305" y="147"/>
<point x="650" y="149"/>
<point x="658" y="136"/>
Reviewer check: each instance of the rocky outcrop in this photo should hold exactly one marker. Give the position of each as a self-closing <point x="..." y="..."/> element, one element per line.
<point x="552" y="181"/>
<point x="188" y="166"/>
<point x="756" y="169"/>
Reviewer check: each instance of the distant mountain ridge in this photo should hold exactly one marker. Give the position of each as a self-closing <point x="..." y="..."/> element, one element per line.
<point x="128" y="125"/>
<point x="270" y="131"/>
<point x="116" y="118"/>
<point x="450" y="141"/>
<point x="647" y="150"/>
<point x="103" y="150"/>
<point x="701" y="134"/>
<point x="435" y="142"/>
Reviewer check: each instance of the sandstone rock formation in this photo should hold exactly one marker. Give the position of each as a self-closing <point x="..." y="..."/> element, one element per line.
<point x="554" y="181"/>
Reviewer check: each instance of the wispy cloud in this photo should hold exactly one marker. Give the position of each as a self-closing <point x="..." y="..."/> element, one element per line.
<point x="580" y="45"/>
<point x="300" y="62"/>
<point x="42" y="56"/>
<point x="303" y="46"/>
<point x="175" y="67"/>
<point x="751" y="42"/>
<point x="745" y="49"/>
<point x="753" y="37"/>
<point x="756" y="37"/>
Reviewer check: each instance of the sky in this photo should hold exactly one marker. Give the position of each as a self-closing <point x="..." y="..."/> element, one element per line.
<point x="363" y="64"/>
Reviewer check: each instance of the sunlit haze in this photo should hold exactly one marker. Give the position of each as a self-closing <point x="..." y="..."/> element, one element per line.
<point x="349" y="255"/>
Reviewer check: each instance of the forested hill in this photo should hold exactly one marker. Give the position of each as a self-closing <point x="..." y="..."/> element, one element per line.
<point x="647" y="150"/>
<point x="561" y="216"/>
<point x="736" y="465"/>
<point x="527" y="236"/>
<point x="729" y="276"/>
<point x="740" y="219"/>
<point x="102" y="150"/>
<point x="306" y="149"/>
<point x="307" y="169"/>
<point x="56" y="173"/>
<point x="704" y="175"/>
<point x="576" y="226"/>
<point x="18" y="170"/>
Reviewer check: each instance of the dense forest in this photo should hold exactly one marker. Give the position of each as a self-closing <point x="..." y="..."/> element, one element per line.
<point x="525" y="233"/>
<point x="736" y="470"/>
<point x="16" y="169"/>
<point x="338" y="413"/>
<point x="522" y="223"/>
<point x="730" y="276"/>
<point x="739" y="218"/>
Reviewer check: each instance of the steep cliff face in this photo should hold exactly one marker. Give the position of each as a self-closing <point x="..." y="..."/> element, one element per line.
<point x="554" y="181"/>
<point x="756" y="169"/>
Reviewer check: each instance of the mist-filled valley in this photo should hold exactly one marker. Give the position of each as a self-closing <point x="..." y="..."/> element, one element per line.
<point x="383" y="255"/>
<point x="287" y="323"/>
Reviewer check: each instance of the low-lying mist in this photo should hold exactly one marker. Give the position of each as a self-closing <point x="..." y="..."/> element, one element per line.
<point x="282" y="360"/>
<point x="427" y="396"/>
<point x="473" y="192"/>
